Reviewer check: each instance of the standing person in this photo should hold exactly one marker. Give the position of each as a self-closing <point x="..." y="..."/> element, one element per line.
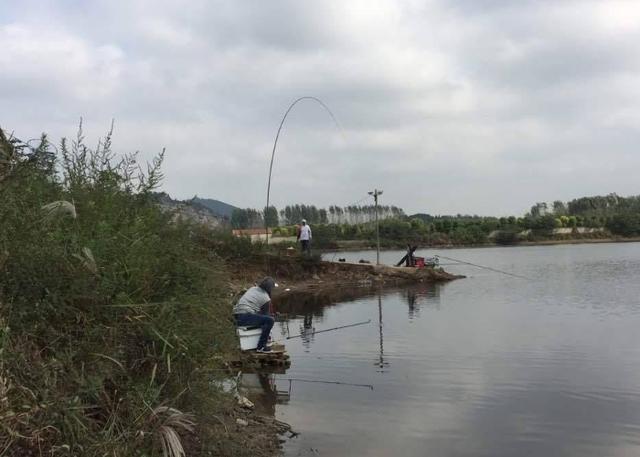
<point x="253" y="309"/>
<point x="305" y="237"/>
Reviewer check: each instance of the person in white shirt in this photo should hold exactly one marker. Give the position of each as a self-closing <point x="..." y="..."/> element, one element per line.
<point x="305" y="237"/>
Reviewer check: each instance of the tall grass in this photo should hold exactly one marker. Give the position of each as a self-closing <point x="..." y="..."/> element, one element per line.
<point x="106" y="307"/>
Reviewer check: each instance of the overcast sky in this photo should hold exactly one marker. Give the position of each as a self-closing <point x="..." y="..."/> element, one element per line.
<point x="460" y="106"/>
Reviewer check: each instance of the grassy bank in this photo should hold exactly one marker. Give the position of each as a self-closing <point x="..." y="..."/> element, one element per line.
<point x="111" y="316"/>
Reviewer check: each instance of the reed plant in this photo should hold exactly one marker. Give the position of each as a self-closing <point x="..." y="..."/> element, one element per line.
<point x="108" y="310"/>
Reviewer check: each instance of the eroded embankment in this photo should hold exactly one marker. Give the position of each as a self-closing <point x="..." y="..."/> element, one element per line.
<point x="300" y="274"/>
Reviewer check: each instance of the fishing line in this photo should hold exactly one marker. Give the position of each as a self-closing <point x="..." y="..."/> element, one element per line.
<point x="359" y="201"/>
<point x="486" y="268"/>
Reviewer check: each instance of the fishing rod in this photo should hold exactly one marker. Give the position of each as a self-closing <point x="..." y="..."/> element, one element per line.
<point x="275" y="143"/>
<point x="326" y="382"/>
<point x="485" y="267"/>
<point x="327" y="330"/>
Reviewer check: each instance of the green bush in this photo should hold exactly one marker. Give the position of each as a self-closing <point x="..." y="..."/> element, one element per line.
<point x="625" y="225"/>
<point x="106" y="307"/>
<point x="506" y="237"/>
<point x="228" y="246"/>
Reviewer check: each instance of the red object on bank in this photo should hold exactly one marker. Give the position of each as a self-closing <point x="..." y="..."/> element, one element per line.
<point x="419" y="262"/>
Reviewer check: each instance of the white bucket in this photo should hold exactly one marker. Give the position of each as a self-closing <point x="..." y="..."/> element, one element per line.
<point x="248" y="337"/>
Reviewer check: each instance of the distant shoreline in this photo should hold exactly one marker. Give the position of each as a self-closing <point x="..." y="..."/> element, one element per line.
<point x="361" y="245"/>
<point x="579" y="241"/>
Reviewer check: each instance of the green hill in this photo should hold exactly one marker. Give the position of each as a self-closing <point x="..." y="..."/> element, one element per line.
<point x="219" y="208"/>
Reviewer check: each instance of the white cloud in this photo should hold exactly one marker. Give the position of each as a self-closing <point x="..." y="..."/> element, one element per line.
<point x="472" y="100"/>
<point x="39" y="62"/>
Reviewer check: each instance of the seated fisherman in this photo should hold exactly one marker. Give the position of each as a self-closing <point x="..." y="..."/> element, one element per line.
<point x="253" y="309"/>
<point x="411" y="260"/>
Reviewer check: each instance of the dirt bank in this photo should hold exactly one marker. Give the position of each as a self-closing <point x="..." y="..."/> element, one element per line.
<point x="246" y="433"/>
<point x="303" y="274"/>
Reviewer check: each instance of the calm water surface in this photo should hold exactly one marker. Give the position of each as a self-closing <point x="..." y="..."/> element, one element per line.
<point x="489" y="365"/>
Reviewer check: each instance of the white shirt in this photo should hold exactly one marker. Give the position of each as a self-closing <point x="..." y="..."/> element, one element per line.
<point x="305" y="233"/>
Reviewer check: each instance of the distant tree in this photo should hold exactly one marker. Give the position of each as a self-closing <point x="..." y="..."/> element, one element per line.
<point x="271" y="216"/>
<point x="332" y="214"/>
<point x="527" y="222"/>
<point x="322" y="216"/>
<point x="603" y="205"/>
<point x="489" y="224"/>
<point x="544" y="223"/>
<point x="239" y="219"/>
<point x="255" y="218"/>
<point x="559" y="208"/>
<point x="416" y="223"/>
<point x="539" y="209"/>
<point x="625" y="224"/>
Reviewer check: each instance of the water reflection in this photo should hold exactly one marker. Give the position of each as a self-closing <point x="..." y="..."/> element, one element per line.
<point x="261" y="388"/>
<point x="416" y="296"/>
<point x="266" y="390"/>
<point x="308" y="305"/>
<point x="414" y="310"/>
<point x="382" y="364"/>
<point x="307" y="330"/>
<point x="300" y="303"/>
<point x="422" y="295"/>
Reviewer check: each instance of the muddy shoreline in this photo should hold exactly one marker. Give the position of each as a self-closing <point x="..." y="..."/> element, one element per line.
<point x="298" y="274"/>
<point x="330" y="276"/>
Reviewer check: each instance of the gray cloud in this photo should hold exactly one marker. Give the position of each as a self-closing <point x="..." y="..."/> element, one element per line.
<point x="448" y="106"/>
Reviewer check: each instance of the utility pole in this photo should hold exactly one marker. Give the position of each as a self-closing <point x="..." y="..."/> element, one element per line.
<point x="375" y="194"/>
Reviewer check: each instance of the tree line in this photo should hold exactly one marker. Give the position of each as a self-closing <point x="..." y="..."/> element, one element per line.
<point x="585" y="217"/>
<point x="293" y="214"/>
<point x="619" y="215"/>
<point x="595" y="216"/>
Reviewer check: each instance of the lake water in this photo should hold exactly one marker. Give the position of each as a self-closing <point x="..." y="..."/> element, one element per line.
<point x="490" y="365"/>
